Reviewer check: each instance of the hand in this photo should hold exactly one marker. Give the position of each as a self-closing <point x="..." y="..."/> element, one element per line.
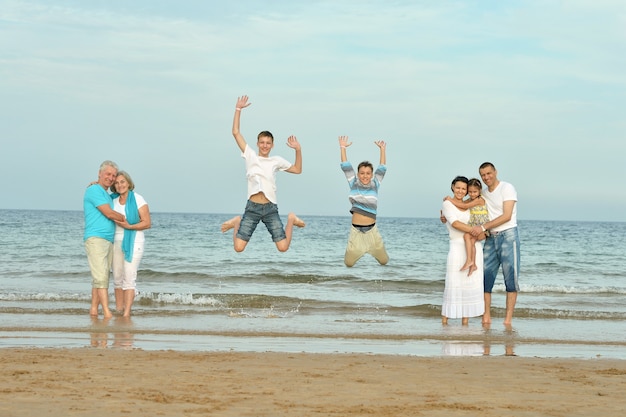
<point x="293" y="143"/>
<point x="447" y="198"/>
<point x="242" y="102"/>
<point x="343" y="142"/>
<point x="124" y="224"/>
<point x="442" y="218"/>
<point x="381" y="144"/>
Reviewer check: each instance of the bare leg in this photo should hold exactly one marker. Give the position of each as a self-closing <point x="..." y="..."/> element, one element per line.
<point x="238" y="244"/>
<point x="473" y="266"/>
<point x="292" y="220"/>
<point x="465" y="321"/>
<point x="232" y="223"/>
<point x="444" y="320"/>
<point x="119" y="299"/>
<point x="95" y="301"/>
<point x="469" y="245"/>
<point x="103" y="295"/>
<point x="129" y="297"/>
<point x="487" y="314"/>
<point x="511" y="299"/>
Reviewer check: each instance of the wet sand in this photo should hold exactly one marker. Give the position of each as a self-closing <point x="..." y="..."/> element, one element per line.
<point x="117" y="382"/>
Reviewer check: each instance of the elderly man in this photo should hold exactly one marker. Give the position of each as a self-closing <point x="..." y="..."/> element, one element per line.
<point x="98" y="237"/>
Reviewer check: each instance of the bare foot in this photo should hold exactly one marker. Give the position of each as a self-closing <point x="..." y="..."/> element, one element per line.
<point x="465" y="321"/>
<point x="107" y="313"/>
<point x="472" y="269"/>
<point x="229" y="224"/>
<point x="93" y="313"/>
<point x="296" y="220"/>
<point x="444" y="320"/>
<point x="467" y="265"/>
<point x="486" y="318"/>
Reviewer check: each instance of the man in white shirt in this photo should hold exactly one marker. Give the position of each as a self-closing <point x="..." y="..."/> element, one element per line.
<point x="502" y="246"/>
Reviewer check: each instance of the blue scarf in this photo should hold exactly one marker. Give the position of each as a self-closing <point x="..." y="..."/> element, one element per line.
<point x="132" y="217"/>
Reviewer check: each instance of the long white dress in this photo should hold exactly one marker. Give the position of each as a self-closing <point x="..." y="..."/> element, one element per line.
<point x="462" y="295"/>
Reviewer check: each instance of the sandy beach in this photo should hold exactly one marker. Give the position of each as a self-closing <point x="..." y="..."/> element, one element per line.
<point x="113" y="382"/>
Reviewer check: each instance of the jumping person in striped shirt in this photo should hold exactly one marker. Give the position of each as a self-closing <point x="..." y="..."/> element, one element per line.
<point x="364" y="184"/>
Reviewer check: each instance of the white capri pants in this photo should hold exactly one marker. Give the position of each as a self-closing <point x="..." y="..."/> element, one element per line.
<point x="125" y="273"/>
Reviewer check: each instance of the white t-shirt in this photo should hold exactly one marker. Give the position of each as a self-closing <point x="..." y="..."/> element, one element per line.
<point x="261" y="173"/>
<point x="121" y="208"/>
<point x="452" y="214"/>
<point x="495" y="204"/>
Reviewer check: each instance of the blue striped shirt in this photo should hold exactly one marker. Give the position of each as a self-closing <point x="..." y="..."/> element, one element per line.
<point x="364" y="198"/>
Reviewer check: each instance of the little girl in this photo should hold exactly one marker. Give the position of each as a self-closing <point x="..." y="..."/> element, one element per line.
<point x="478" y="216"/>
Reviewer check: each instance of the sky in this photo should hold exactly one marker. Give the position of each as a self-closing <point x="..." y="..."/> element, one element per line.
<point x="537" y="87"/>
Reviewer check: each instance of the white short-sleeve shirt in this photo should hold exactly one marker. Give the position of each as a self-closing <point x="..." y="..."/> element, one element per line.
<point x="261" y="173"/>
<point x="121" y="208"/>
<point x="495" y="204"/>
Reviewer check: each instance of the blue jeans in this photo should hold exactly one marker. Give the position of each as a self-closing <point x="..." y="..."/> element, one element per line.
<point x="502" y="249"/>
<point x="268" y="214"/>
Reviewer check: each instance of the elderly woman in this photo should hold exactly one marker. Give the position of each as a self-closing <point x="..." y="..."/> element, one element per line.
<point x="128" y="244"/>
<point x="463" y="295"/>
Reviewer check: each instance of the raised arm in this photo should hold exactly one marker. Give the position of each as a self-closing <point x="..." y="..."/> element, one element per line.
<point x="242" y="103"/>
<point x="383" y="155"/>
<point x="293" y="143"/>
<point x="343" y="144"/>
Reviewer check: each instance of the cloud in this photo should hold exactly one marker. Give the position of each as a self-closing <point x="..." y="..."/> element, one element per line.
<point x="535" y="86"/>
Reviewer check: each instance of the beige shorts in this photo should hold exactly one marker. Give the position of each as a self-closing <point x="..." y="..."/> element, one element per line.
<point x="361" y="243"/>
<point x="100" y="256"/>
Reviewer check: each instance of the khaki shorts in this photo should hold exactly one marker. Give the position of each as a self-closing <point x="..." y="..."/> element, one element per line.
<point x="361" y="243"/>
<point x="100" y="255"/>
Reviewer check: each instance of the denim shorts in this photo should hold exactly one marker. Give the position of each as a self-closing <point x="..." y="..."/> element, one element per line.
<point x="268" y="214"/>
<point x="502" y="249"/>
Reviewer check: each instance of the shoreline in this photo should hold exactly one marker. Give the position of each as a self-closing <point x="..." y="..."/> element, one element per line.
<point x="207" y="341"/>
<point x="109" y="382"/>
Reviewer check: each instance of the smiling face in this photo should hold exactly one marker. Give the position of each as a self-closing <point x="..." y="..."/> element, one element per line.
<point x="121" y="184"/>
<point x="473" y="191"/>
<point x="489" y="176"/>
<point x="365" y="174"/>
<point x="265" y="144"/>
<point x="459" y="188"/>
<point x="106" y="176"/>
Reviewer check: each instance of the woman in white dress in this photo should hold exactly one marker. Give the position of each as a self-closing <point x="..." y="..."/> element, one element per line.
<point x="463" y="295"/>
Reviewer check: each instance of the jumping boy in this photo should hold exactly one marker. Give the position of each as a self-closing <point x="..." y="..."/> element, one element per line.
<point x="261" y="173"/>
<point x="364" y="184"/>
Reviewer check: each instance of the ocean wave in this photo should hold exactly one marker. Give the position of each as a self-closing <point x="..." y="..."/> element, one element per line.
<point x="567" y="289"/>
<point x="259" y="305"/>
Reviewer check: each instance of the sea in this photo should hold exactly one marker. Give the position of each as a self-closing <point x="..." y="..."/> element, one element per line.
<point x="197" y="294"/>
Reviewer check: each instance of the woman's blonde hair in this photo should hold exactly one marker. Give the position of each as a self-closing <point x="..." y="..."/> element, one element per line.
<point x="129" y="180"/>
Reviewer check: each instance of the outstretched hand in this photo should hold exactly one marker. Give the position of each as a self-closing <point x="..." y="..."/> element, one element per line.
<point x="343" y="142"/>
<point x="293" y="143"/>
<point x="242" y="102"/>
<point x="381" y="144"/>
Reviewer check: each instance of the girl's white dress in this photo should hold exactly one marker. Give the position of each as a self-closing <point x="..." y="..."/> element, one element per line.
<point x="462" y="295"/>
